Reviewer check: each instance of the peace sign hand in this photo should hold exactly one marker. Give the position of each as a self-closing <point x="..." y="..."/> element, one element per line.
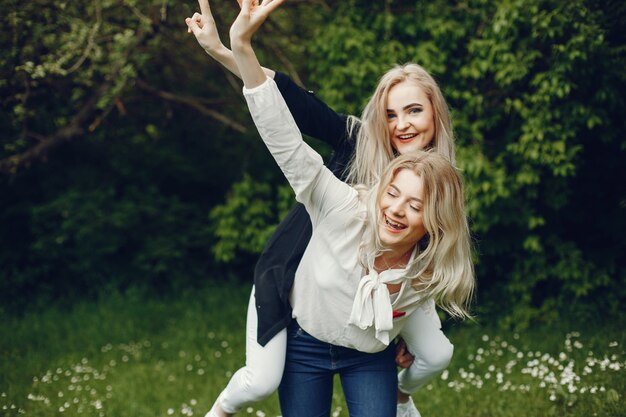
<point x="202" y="25"/>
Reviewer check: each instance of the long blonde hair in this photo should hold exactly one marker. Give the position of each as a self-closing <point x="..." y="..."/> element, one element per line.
<point x="373" y="149"/>
<point x="443" y="267"/>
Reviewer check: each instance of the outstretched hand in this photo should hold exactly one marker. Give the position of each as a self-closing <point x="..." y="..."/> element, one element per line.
<point x="250" y="18"/>
<point x="202" y="25"/>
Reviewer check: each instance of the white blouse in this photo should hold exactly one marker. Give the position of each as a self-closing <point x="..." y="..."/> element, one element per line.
<point x="332" y="297"/>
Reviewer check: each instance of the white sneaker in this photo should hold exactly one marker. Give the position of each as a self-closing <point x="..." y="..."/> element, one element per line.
<point x="407" y="409"/>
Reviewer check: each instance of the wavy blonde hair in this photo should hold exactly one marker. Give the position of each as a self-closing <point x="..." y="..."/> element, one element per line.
<point x="443" y="267"/>
<point x="373" y="149"/>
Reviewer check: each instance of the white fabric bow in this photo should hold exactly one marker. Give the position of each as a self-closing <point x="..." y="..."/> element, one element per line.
<point x="372" y="305"/>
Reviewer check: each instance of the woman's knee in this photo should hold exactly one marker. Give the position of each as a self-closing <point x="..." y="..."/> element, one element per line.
<point x="260" y="385"/>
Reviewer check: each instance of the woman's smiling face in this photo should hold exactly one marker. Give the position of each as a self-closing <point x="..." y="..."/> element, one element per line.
<point x="401" y="206"/>
<point x="410" y="117"/>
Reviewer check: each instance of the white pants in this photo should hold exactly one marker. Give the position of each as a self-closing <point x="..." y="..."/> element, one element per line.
<point x="263" y="371"/>
<point x="264" y="364"/>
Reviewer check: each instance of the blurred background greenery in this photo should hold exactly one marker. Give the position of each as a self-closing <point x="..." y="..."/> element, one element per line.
<point x="128" y="159"/>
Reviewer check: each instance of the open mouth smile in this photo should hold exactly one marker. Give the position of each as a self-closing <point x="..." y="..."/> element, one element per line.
<point x="393" y="224"/>
<point x="406" y="137"/>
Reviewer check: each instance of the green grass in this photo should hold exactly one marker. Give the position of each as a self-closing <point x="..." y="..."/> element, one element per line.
<point x="135" y="356"/>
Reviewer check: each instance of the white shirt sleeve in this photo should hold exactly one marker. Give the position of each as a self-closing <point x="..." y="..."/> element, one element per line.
<point x="314" y="185"/>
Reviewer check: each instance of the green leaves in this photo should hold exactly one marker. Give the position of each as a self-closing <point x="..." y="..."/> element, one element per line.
<point x="531" y="85"/>
<point x="248" y="217"/>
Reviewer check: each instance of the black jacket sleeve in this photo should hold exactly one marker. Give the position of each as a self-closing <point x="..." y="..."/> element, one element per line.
<point x="313" y="117"/>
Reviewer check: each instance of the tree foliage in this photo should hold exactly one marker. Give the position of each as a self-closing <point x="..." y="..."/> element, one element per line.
<point x="119" y="134"/>
<point x="248" y="218"/>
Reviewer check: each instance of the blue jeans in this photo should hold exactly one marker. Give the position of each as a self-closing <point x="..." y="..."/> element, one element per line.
<point x="369" y="380"/>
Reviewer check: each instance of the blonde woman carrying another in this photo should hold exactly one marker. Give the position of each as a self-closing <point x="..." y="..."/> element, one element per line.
<point x="407" y="112"/>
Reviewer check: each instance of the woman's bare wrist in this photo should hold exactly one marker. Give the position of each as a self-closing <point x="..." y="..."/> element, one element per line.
<point x="218" y="51"/>
<point x="240" y="44"/>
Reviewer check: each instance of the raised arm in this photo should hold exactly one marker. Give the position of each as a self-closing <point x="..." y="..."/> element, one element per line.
<point x="313" y="117"/>
<point x="203" y="27"/>
<point x="315" y="186"/>
<point x="249" y="20"/>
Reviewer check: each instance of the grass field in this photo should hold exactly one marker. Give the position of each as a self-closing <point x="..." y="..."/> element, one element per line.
<point x="136" y="356"/>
